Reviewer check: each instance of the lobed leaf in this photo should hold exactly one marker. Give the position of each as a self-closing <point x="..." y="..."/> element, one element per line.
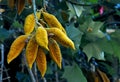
<point x="93" y="50"/>
<point x="73" y="74"/>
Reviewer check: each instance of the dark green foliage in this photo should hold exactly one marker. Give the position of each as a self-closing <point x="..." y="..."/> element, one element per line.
<point x="101" y="48"/>
<point x="4" y="34"/>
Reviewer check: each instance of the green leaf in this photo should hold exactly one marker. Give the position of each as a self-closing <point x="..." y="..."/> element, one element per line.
<point x="74" y="34"/>
<point x="89" y="23"/>
<point x="105" y="45"/>
<point x="16" y="24"/>
<point x="21" y="77"/>
<point x="93" y="1"/>
<point x="74" y="74"/>
<point x="70" y="10"/>
<point x="3" y="34"/>
<point x="74" y="10"/>
<point x="93" y="50"/>
<point x="92" y="30"/>
<point x="109" y="68"/>
<point x="116" y="35"/>
<point x="85" y="25"/>
<point x="49" y="70"/>
<point x="78" y="10"/>
<point x="115" y="47"/>
<point x="110" y="46"/>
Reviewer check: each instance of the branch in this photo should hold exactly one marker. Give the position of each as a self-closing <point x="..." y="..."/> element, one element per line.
<point x="29" y="70"/>
<point x="2" y="62"/>
<point x="35" y="71"/>
<point x="44" y="79"/>
<point x="8" y="77"/>
<point x="75" y="3"/>
<point x="44" y="4"/>
<point x="34" y="10"/>
<point x="56" y="74"/>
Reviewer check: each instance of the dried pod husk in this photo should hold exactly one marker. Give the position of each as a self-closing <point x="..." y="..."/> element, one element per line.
<point x="42" y="37"/>
<point x="103" y="76"/>
<point x="20" y="6"/>
<point x="29" y="24"/>
<point x="11" y="3"/>
<point x="30" y="2"/>
<point x="31" y="51"/>
<point x="60" y="37"/>
<point x="52" y="21"/>
<point x="55" y="52"/>
<point x="41" y="61"/>
<point x="16" y="47"/>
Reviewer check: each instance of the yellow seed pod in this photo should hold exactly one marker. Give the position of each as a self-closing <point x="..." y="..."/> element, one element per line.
<point x="60" y="37"/>
<point x="16" y="47"/>
<point x="29" y="24"/>
<point x="52" y="21"/>
<point x="31" y="51"/>
<point x="41" y="61"/>
<point x="55" y="52"/>
<point x="42" y="37"/>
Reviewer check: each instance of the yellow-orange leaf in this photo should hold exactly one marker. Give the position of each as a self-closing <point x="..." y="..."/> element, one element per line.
<point x="20" y="6"/>
<point x="103" y="76"/>
<point x="31" y="51"/>
<point x="42" y="37"/>
<point x="52" y="21"/>
<point x="41" y="61"/>
<point x="11" y="3"/>
<point x="61" y="37"/>
<point x="16" y="47"/>
<point x="30" y="22"/>
<point x="55" y="52"/>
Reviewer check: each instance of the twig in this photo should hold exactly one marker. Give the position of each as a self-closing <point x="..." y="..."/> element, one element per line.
<point x="44" y="79"/>
<point x="75" y="3"/>
<point x="34" y="10"/>
<point x="35" y="71"/>
<point x="29" y="70"/>
<point x="44" y="4"/>
<point x="56" y="74"/>
<point x="2" y="61"/>
<point x="8" y="77"/>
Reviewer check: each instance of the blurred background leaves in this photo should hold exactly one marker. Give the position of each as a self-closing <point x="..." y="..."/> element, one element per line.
<point x="96" y="41"/>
